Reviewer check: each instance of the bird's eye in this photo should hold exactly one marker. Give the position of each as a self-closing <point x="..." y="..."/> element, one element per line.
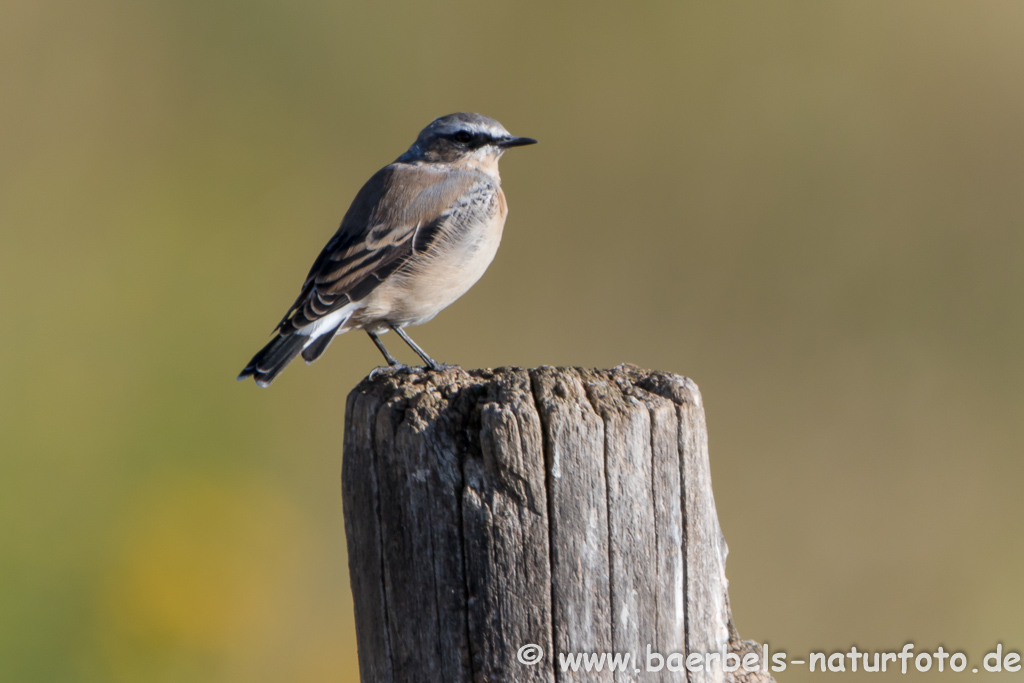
<point x="463" y="137"/>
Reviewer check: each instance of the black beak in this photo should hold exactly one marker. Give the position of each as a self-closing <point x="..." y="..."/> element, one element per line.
<point x="505" y="143"/>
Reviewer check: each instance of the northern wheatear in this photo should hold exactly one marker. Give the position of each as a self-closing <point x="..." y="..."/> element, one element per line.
<point x="418" y="235"/>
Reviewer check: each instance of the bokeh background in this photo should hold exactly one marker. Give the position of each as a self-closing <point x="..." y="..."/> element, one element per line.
<point x="816" y="210"/>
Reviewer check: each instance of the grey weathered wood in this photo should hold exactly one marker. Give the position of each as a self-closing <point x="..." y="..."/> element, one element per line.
<point x="562" y="507"/>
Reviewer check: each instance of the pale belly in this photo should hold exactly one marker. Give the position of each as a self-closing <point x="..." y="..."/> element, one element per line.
<point x="433" y="281"/>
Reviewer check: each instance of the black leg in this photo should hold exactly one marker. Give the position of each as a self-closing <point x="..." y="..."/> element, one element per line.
<point x="430" y="362"/>
<point x="392" y="361"/>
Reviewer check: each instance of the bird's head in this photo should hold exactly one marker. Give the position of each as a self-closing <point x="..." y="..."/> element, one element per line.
<point x="468" y="140"/>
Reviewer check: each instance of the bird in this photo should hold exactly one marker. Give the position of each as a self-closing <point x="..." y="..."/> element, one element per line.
<point x="418" y="235"/>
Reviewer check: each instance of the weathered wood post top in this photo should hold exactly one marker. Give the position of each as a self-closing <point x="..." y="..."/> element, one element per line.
<point x="503" y="523"/>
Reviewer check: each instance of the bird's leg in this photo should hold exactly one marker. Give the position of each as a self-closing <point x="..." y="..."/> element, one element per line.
<point x="392" y="361"/>
<point x="430" y="362"/>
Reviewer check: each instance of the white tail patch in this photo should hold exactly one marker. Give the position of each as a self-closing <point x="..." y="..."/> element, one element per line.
<point x="328" y="323"/>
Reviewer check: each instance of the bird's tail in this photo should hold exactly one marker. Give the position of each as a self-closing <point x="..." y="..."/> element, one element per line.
<point x="266" y="365"/>
<point x="311" y="341"/>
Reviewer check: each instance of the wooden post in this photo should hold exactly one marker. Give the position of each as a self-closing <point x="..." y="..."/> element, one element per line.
<point x="563" y="508"/>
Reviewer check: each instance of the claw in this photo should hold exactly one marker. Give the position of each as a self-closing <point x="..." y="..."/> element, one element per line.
<point x="390" y="370"/>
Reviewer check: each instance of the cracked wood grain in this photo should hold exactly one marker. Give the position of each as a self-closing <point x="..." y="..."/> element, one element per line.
<point x="563" y="507"/>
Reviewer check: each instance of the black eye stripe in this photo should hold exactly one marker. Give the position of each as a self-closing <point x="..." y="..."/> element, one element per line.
<point x="464" y="137"/>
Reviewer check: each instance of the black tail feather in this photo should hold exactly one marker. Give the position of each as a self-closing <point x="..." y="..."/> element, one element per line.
<point x="266" y="365"/>
<point x="319" y="345"/>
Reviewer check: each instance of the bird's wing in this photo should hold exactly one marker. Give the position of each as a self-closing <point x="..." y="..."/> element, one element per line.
<point x="401" y="210"/>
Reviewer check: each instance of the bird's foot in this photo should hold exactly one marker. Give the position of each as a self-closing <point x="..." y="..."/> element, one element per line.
<point x="441" y="367"/>
<point x="392" y="370"/>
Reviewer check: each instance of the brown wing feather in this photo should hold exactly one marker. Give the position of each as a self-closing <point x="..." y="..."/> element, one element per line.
<point x="398" y="211"/>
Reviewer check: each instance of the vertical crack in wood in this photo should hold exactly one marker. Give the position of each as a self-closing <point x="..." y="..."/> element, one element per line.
<point x="599" y="412"/>
<point x="395" y="664"/>
<point x="549" y="494"/>
<point x="460" y="494"/>
<point x="685" y="536"/>
<point x="466" y="566"/>
<point x="660" y="640"/>
<point x="375" y="479"/>
<point x="439" y="631"/>
<point x="683" y="493"/>
<point x="660" y="581"/>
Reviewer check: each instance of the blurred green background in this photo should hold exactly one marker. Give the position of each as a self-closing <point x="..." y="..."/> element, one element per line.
<point x="816" y="210"/>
